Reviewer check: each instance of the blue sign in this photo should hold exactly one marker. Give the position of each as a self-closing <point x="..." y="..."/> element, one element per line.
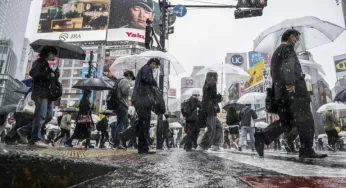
<point x="255" y="57"/>
<point x="179" y="10"/>
<point x="237" y="60"/>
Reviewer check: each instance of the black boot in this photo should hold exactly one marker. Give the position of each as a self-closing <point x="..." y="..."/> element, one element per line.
<point x="259" y="143"/>
<point x="122" y="144"/>
<point x="310" y="153"/>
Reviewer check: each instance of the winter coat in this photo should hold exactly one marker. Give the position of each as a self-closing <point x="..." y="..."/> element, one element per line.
<point x="246" y="116"/>
<point x="329" y="121"/>
<point x="66" y="122"/>
<point x="41" y="74"/>
<point x="142" y="97"/>
<point x="195" y="103"/>
<point x="124" y="91"/>
<point x="85" y="107"/>
<point x="210" y="101"/>
<point x="285" y="70"/>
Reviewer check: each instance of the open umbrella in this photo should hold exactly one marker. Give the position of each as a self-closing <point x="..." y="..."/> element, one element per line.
<point x="8" y="109"/>
<point x="22" y="90"/>
<point x="341" y="96"/>
<point x="312" y="64"/>
<point x="252" y="98"/>
<point x="97" y="84"/>
<point x="234" y="74"/>
<point x="193" y="91"/>
<point x="314" y="33"/>
<point x="70" y="109"/>
<point x="65" y="50"/>
<point x="131" y="62"/>
<point x="233" y="104"/>
<point x="332" y="106"/>
<point x="28" y="82"/>
<point x="175" y="125"/>
<point x="261" y="124"/>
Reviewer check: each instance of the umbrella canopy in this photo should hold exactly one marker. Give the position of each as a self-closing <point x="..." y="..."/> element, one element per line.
<point x="261" y="124"/>
<point x="252" y="98"/>
<point x="178" y="68"/>
<point x="193" y="91"/>
<point x="28" y="82"/>
<point x="131" y="62"/>
<point x="312" y="64"/>
<point x="233" y="73"/>
<point x="70" y="109"/>
<point x="97" y="84"/>
<point x="332" y="106"/>
<point x="341" y="96"/>
<point x="233" y="104"/>
<point x="65" y="50"/>
<point x="175" y="125"/>
<point x="314" y="33"/>
<point x="8" y="109"/>
<point x="22" y="90"/>
<point x="108" y="112"/>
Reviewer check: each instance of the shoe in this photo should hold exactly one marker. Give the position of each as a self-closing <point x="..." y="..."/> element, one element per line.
<point x="214" y="148"/>
<point x="259" y="143"/>
<point x="122" y="140"/>
<point x="199" y="148"/>
<point x="121" y="147"/>
<point x="294" y="152"/>
<point x="239" y="149"/>
<point x="310" y="153"/>
<point x="331" y="148"/>
<point x="188" y="149"/>
<point x="286" y="146"/>
<point x="23" y="136"/>
<point x="38" y="144"/>
<point x="102" y="146"/>
<point x="146" y="152"/>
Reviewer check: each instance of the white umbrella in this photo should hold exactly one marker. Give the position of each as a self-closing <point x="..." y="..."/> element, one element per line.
<point x="178" y="68"/>
<point x="131" y="62"/>
<point x="312" y="64"/>
<point x="192" y="91"/>
<point x="175" y="125"/>
<point x="332" y="106"/>
<point x="314" y="33"/>
<point x="261" y="124"/>
<point x="95" y="118"/>
<point x="233" y="73"/>
<point x="252" y="98"/>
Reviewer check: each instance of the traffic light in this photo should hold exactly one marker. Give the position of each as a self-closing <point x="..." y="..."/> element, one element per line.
<point x="247" y="13"/>
<point x="252" y="3"/>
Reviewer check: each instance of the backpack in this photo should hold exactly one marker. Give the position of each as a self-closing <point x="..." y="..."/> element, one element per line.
<point x="232" y="117"/>
<point x="186" y="108"/>
<point x="102" y="125"/>
<point x="54" y="89"/>
<point x="159" y="106"/>
<point x="113" y="99"/>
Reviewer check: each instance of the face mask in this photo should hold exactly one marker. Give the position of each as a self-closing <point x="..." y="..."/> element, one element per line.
<point x="297" y="44"/>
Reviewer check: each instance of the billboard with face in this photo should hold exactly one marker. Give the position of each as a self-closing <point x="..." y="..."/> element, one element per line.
<point x="127" y="19"/>
<point x="73" y="21"/>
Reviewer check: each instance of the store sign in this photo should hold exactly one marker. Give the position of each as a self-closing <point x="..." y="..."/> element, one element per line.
<point x="74" y="36"/>
<point x="237" y="59"/>
<point x="172" y="92"/>
<point x="66" y="36"/>
<point x="340" y="65"/>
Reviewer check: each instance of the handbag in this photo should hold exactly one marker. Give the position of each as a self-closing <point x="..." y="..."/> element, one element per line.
<point x="30" y="106"/>
<point x="84" y="119"/>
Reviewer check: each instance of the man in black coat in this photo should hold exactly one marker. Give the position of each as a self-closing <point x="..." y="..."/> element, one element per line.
<point x="292" y="98"/>
<point x="191" y="122"/>
<point x="142" y="99"/>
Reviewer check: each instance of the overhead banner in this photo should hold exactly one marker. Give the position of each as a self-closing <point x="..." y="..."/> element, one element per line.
<point x="340" y="65"/>
<point x="256" y="74"/>
<point x="127" y="19"/>
<point x="73" y="21"/>
<point x="237" y="59"/>
<point x="255" y="57"/>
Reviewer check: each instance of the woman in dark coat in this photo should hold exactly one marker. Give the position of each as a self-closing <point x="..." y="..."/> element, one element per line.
<point x="83" y="127"/>
<point x="210" y="108"/>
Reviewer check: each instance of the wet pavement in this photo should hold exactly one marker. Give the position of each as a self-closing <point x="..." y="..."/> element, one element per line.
<point x="169" y="168"/>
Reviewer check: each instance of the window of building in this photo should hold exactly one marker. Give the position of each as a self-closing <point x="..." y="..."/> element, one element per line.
<point x="75" y="93"/>
<point x="68" y="63"/>
<point x="65" y="83"/>
<point x="66" y="73"/>
<point x="78" y="63"/>
<point x="77" y="73"/>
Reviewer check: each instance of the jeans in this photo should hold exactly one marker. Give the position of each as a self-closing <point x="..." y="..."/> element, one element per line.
<point x="244" y="131"/>
<point x="122" y="123"/>
<point x="43" y="114"/>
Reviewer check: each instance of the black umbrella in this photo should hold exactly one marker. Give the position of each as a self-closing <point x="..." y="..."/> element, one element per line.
<point x="233" y="104"/>
<point x="69" y="110"/>
<point x="8" y="109"/>
<point x="108" y="112"/>
<point x="341" y="96"/>
<point x="97" y="84"/>
<point x="65" y="50"/>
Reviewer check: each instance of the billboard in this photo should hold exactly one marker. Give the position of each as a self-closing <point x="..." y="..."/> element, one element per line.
<point x="256" y="74"/>
<point x="73" y="21"/>
<point x="233" y="92"/>
<point x="237" y="59"/>
<point x="340" y="65"/>
<point x="127" y="19"/>
<point x="255" y="57"/>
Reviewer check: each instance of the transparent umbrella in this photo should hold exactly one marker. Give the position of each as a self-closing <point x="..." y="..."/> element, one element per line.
<point x="332" y="106"/>
<point x="252" y="98"/>
<point x="261" y="124"/>
<point x="193" y="91"/>
<point x="312" y="64"/>
<point x="314" y="33"/>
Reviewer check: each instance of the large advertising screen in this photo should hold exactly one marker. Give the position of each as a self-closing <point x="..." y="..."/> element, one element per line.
<point x="74" y="20"/>
<point x="127" y="19"/>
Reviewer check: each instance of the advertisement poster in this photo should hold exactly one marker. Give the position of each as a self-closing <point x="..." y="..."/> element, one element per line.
<point x="237" y="59"/>
<point x="256" y="74"/>
<point x="233" y="92"/>
<point x="266" y="71"/>
<point x="340" y="65"/>
<point x="127" y="19"/>
<point x="255" y="57"/>
<point x="73" y="21"/>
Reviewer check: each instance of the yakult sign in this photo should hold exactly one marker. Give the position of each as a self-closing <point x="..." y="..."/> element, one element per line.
<point x="237" y="59"/>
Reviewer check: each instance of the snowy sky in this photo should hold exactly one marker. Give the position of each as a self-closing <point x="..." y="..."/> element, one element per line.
<point x="204" y="36"/>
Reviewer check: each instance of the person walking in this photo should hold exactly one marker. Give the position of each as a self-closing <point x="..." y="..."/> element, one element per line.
<point x="212" y="138"/>
<point x="191" y="122"/>
<point x="247" y="125"/>
<point x="330" y="121"/>
<point x="65" y="127"/>
<point x="42" y="74"/>
<point x="290" y="97"/>
<point x="142" y="100"/>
